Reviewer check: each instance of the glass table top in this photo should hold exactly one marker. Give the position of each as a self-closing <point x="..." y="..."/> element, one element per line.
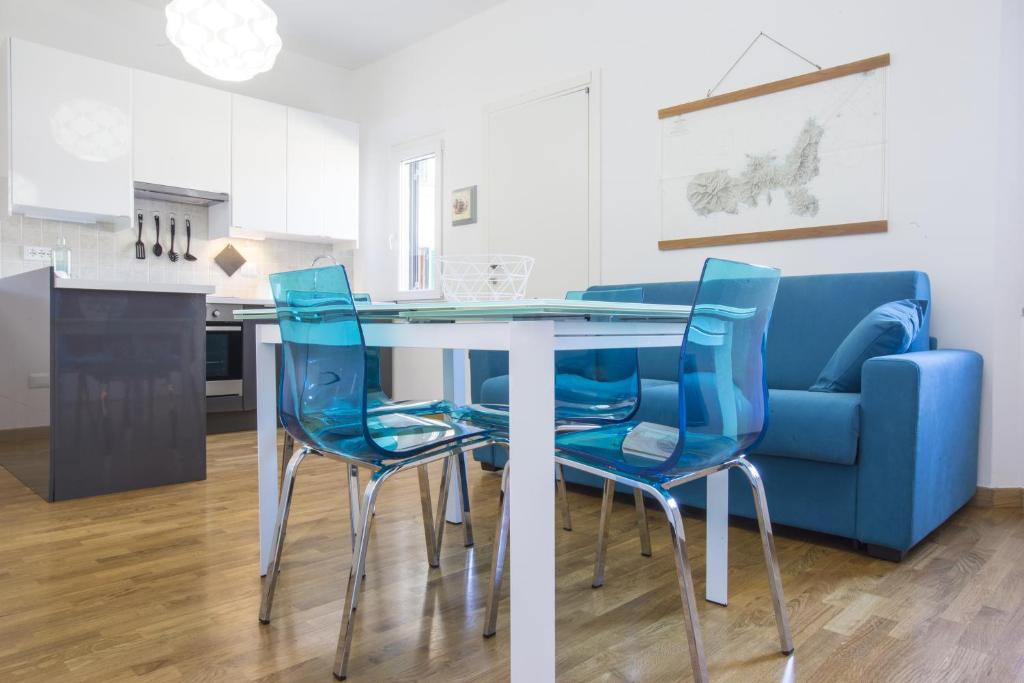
<point x="523" y="309"/>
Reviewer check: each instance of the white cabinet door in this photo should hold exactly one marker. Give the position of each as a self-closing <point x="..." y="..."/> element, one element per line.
<point x="259" y="157"/>
<point x="341" y="180"/>
<point x="70" y="132"/>
<point x="182" y="133"/>
<point x="305" y="173"/>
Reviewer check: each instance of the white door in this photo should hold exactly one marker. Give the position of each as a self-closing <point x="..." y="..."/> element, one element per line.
<point x="538" y="159"/>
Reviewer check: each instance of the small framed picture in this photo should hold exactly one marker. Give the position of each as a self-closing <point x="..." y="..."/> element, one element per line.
<point x="464" y="205"/>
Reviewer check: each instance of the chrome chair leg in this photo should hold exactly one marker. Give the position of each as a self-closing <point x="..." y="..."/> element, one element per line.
<point x="641" y="521"/>
<point x="283" y="508"/>
<point x="467" y="518"/>
<point x="428" y="514"/>
<point x="447" y="465"/>
<point x="286" y="453"/>
<point x="770" y="559"/>
<point x="563" y="497"/>
<point x="499" y="550"/>
<point x="353" y="501"/>
<point x="607" y="499"/>
<point x="693" y="634"/>
<point x="355" y="575"/>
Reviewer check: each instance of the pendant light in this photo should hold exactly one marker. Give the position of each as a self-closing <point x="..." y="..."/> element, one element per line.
<point x="230" y="40"/>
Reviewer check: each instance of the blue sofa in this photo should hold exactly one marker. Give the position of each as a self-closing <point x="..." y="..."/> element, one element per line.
<point x="884" y="467"/>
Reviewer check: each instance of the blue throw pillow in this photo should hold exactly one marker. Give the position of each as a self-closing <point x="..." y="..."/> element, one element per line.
<point x="889" y="329"/>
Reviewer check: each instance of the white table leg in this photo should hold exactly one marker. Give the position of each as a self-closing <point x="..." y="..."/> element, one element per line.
<point x="266" y="443"/>
<point x="717" y="583"/>
<point x="455" y="392"/>
<point x="532" y="501"/>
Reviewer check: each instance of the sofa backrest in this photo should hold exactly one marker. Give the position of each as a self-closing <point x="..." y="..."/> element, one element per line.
<point x="813" y="314"/>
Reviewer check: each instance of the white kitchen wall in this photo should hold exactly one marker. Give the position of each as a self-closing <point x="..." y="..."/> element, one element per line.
<point x="103" y="252"/>
<point x="954" y="151"/>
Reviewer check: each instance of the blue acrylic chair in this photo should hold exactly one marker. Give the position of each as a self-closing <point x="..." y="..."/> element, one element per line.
<point x="723" y="403"/>
<point x="378" y="401"/>
<point x="324" y="406"/>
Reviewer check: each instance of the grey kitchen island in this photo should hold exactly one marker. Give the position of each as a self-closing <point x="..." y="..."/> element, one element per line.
<point x="103" y="384"/>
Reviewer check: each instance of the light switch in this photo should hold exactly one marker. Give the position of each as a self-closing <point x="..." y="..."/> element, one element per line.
<point x="38" y="380"/>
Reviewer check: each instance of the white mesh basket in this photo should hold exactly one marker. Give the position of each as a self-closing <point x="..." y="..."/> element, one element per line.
<point x="484" y="277"/>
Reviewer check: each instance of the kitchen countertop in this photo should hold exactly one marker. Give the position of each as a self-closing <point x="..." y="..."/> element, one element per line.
<point x="239" y="300"/>
<point x="149" y="287"/>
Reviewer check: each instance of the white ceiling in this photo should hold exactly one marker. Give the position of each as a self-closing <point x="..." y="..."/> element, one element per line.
<point x="350" y="33"/>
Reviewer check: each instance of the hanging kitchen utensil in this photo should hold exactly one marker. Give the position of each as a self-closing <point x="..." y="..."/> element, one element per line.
<point x="157" y="249"/>
<point x="140" y="248"/>
<point x="188" y="240"/>
<point x="171" y="254"/>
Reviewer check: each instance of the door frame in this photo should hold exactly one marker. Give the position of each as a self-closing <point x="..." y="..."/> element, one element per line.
<point x="591" y="82"/>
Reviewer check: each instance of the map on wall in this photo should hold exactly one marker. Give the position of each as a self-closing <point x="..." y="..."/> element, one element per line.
<point x="803" y="157"/>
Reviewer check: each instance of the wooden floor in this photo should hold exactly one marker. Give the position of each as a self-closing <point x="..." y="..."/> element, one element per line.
<point x="161" y="585"/>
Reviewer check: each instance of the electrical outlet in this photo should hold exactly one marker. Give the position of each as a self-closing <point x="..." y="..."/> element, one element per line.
<point x="36" y="253"/>
<point x="38" y="380"/>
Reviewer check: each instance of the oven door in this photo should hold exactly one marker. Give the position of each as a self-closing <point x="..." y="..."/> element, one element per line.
<point x="223" y="359"/>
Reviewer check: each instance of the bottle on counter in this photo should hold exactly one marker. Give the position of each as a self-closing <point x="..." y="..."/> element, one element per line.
<point x="61" y="257"/>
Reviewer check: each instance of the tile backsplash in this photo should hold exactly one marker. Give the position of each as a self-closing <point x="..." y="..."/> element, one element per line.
<point x="107" y="252"/>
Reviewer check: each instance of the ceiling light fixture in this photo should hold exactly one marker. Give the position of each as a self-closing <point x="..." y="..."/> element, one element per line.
<point x="230" y="40"/>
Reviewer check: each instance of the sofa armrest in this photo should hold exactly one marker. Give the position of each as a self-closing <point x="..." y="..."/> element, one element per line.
<point x="918" y="460"/>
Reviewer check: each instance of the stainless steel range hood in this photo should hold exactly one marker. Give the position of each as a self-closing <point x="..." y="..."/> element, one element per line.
<point x="181" y="195"/>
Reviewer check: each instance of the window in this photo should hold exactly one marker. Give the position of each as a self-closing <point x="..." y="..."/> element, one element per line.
<point x="418" y="220"/>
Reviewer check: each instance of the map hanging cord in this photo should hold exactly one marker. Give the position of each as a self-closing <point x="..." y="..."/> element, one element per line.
<point x="744" y="54"/>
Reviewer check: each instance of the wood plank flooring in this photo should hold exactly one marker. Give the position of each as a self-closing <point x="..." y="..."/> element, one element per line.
<point x="161" y="585"/>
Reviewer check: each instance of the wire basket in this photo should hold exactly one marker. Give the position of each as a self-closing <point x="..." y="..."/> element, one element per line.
<point x="484" y="277"/>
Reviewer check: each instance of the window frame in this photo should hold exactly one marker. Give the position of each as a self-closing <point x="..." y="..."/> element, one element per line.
<point x="401" y="154"/>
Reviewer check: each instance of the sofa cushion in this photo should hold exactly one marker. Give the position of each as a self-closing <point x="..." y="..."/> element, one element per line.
<point x="824" y="427"/>
<point x="891" y="328"/>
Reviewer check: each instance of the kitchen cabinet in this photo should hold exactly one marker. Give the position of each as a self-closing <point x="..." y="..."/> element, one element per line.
<point x="70" y="135"/>
<point x="341" y="180"/>
<point x="323" y="176"/>
<point x="259" y="150"/>
<point x="181" y="133"/>
<point x="305" y="177"/>
<point x="294" y="175"/>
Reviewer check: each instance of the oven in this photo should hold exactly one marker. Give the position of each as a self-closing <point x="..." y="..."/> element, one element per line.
<point x="224" y="366"/>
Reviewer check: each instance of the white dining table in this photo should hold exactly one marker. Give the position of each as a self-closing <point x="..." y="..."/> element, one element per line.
<point x="531" y="344"/>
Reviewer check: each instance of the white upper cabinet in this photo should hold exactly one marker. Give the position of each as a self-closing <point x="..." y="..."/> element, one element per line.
<point x="323" y="176"/>
<point x="182" y="133"/>
<point x="259" y="156"/>
<point x="341" y="180"/>
<point x="306" y="201"/>
<point x="70" y="132"/>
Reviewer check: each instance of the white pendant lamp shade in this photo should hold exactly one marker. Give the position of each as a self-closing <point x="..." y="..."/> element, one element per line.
<point x="230" y="40"/>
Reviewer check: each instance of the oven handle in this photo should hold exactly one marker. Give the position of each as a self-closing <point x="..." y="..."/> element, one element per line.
<point x="223" y="328"/>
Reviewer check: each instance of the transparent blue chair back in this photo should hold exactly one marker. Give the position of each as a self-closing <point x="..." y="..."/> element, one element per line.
<point x="374" y="388"/>
<point x="323" y="373"/>
<point x="723" y="395"/>
<point x="600" y="385"/>
<point x="323" y="400"/>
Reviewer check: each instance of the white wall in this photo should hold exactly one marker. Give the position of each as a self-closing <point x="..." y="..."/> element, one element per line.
<point x="948" y="164"/>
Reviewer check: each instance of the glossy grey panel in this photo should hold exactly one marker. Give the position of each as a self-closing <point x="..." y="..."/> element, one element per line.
<point x="129" y="390"/>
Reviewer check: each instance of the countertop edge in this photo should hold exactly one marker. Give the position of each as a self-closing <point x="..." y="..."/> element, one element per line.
<point x="144" y="287"/>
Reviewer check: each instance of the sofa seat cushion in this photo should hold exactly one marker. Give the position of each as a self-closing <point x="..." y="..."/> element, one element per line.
<point x="810" y="425"/>
<point x="807" y="425"/>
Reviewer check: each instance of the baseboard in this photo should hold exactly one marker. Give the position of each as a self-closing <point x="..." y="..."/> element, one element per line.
<point x="998" y="498"/>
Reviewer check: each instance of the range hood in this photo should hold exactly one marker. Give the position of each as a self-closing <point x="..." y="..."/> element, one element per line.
<point x="181" y="195"/>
